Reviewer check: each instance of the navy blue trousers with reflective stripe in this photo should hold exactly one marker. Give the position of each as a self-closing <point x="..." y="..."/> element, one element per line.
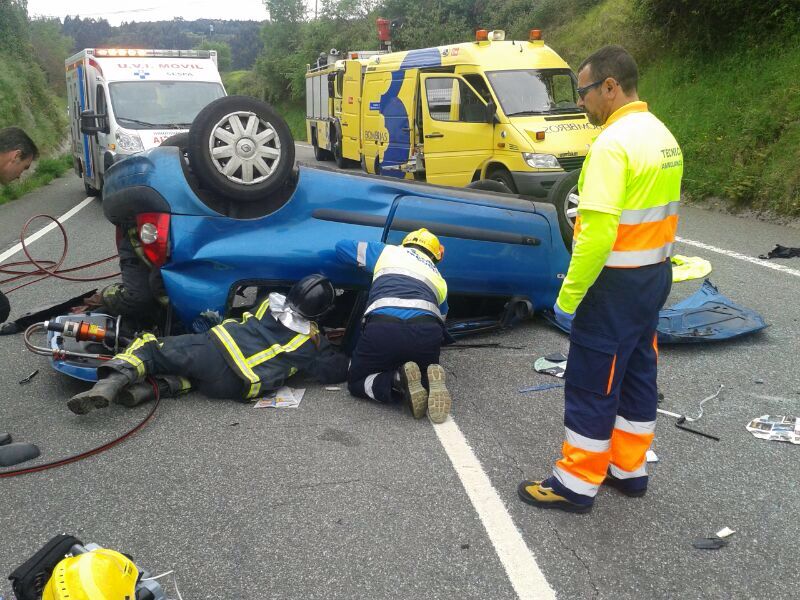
<point x="384" y="347"/>
<point x="611" y="372"/>
<point x="194" y="356"/>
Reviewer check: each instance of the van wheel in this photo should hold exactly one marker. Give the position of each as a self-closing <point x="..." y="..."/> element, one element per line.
<point x="179" y="140"/>
<point x="241" y="148"/>
<point x="564" y="197"/>
<point x="490" y="185"/>
<point x="503" y="176"/>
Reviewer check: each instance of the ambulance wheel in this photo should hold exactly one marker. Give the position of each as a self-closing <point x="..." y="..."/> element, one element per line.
<point x="564" y="197"/>
<point x="241" y="148"/>
<point x="503" y="177"/>
<point x="90" y="191"/>
<point x="179" y="140"/>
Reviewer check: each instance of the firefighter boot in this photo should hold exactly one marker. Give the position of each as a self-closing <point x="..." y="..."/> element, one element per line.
<point x="103" y="392"/>
<point x="169" y="386"/>
<point x="439" y="400"/>
<point x="415" y="396"/>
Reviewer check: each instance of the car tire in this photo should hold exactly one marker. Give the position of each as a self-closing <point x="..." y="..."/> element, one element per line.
<point x="504" y="177"/>
<point x="490" y="185"/>
<point x="564" y="198"/>
<point x="241" y="148"/>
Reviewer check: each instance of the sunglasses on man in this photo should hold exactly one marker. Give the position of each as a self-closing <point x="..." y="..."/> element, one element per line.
<point x="582" y="91"/>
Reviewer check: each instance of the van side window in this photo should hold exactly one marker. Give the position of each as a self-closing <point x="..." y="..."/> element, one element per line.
<point x="449" y="99"/>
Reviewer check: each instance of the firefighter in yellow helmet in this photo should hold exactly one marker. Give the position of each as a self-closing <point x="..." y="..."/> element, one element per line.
<point x="101" y="574"/>
<point x="397" y="354"/>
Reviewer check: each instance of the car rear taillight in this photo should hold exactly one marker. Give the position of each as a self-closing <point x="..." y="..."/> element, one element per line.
<point x="153" y="230"/>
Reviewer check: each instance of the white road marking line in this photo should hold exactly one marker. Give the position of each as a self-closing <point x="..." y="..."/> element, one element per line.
<point x="756" y="261"/>
<point x="517" y="559"/>
<point x="44" y="230"/>
<point x="302" y="145"/>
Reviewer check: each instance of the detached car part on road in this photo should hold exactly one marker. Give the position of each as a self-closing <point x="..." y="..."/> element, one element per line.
<point x="228" y="220"/>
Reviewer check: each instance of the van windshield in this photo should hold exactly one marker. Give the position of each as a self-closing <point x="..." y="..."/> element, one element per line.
<point x="535" y="91"/>
<point x="162" y="104"/>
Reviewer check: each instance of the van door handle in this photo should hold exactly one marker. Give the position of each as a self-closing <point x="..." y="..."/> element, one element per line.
<point x="434" y="135"/>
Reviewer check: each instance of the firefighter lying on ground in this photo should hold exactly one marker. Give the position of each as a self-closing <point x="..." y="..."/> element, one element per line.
<point x="397" y="354"/>
<point x="240" y="360"/>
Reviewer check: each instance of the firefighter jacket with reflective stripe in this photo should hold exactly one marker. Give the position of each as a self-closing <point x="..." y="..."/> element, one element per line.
<point x="633" y="170"/>
<point x="405" y="282"/>
<point x="264" y="352"/>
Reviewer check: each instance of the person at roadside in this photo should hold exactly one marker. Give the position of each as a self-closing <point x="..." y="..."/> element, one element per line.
<point x="241" y="360"/>
<point x="397" y="354"/>
<point x="618" y="279"/>
<point x="17" y="152"/>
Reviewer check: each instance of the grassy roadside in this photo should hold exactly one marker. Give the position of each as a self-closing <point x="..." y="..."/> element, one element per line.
<point x="45" y="171"/>
<point x="736" y="113"/>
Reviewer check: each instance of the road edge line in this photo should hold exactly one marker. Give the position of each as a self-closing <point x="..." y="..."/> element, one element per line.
<point x="46" y="229"/>
<point x="730" y="253"/>
<point x="517" y="559"/>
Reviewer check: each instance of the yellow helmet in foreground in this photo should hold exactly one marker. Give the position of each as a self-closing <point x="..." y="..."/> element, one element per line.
<point x="97" y="575"/>
<point x="425" y="239"/>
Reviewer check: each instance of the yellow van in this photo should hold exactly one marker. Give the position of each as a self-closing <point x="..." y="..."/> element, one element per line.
<point x="450" y="115"/>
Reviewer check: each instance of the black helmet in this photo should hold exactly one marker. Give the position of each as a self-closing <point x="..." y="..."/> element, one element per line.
<point x="312" y="296"/>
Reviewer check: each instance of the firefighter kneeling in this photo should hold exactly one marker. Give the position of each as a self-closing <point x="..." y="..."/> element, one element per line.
<point x="397" y="354"/>
<point x="237" y="359"/>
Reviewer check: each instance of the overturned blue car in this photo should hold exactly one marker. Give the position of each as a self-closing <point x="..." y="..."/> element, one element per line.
<point x="226" y="216"/>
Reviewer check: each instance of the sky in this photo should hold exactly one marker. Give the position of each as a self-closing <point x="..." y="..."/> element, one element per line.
<point x="150" y="10"/>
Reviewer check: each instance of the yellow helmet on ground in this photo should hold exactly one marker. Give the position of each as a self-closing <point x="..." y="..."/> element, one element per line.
<point x="97" y="575"/>
<point x="426" y="240"/>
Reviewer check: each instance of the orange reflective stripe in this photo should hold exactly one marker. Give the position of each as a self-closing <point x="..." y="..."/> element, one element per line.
<point x="611" y="375"/>
<point x="583" y="464"/>
<point x="628" y="449"/>
<point x="655" y="344"/>
<point x="577" y="228"/>
<point x="646" y="236"/>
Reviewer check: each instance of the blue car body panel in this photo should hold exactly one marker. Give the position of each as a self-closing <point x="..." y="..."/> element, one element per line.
<point x="705" y="316"/>
<point x="495" y="245"/>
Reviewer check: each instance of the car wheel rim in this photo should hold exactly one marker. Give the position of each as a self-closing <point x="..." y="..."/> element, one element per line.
<point x="244" y="148"/>
<point x="571" y="206"/>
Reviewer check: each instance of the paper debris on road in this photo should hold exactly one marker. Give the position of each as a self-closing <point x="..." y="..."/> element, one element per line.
<point x="725" y="532"/>
<point x="284" y="397"/>
<point x="652" y="457"/>
<point x="777" y="428"/>
<point x="552" y="364"/>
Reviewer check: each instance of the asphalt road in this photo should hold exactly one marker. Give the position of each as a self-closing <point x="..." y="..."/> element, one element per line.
<point x="341" y="498"/>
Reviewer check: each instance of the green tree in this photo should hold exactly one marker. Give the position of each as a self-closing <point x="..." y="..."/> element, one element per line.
<point x="223" y="53"/>
<point x="14" y="26"/>
<point x="51" y="48"/>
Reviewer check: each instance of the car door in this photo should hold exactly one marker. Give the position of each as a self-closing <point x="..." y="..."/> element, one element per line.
<point x="493" y="247"/>
<point x="456" y="136"/>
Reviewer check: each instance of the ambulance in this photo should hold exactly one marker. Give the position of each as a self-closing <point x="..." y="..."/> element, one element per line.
<point x="450" y="115"/>
<point x="124" y="101"/>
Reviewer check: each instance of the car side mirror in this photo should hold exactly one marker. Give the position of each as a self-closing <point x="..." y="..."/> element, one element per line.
<point x="93" y="123"/>
<point x="491" y="112"/>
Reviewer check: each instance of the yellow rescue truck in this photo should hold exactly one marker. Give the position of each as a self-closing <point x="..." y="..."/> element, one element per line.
<point x="450" y="115"/>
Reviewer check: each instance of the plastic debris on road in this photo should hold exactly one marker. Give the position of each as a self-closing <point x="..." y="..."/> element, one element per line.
<point x="776" y="428"/>
<point x="781" y="252"/>
<point x="541" y="388"/>
<point x="284" y="397"/>
<point x="685" y="268"/>
<point x="709" y="543"/>
<point x="651" y="456"/>
<point x="552" y="364"/>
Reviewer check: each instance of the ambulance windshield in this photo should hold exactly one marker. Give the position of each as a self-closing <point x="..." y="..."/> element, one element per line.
<point x="535" y="91"/>
<point x="161" y="104"/>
